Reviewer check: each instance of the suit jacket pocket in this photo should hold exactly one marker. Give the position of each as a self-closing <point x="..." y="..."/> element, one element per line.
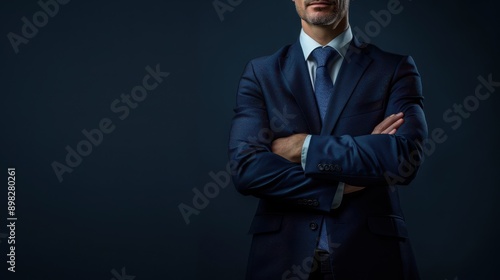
<point x="390" y="225"/>
<point x="266" y="223"/>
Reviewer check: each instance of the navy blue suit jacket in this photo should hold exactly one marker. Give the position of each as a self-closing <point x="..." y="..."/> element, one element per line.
<point x="367" y="233"/>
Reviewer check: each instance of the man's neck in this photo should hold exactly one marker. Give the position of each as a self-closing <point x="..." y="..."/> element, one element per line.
<point x="323" y="34"/>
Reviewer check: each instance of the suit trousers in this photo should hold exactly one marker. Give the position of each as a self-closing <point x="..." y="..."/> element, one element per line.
<point x="322" y="269"/>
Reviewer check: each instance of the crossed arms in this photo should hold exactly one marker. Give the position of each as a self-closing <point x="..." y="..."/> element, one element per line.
<point x="290" y="147"/>
<point x="271" y="169"/>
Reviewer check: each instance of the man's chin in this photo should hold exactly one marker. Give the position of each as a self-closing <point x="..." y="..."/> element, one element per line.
<point x="321" y="19"/>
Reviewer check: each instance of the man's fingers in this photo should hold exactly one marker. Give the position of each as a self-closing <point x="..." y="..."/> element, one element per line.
<point x="350" y="189"/>
<point x="388" y="124"/>
<point x="393" y="126"/>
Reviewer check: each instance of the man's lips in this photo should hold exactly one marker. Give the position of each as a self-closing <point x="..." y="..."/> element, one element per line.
<point x="320" y="3"/>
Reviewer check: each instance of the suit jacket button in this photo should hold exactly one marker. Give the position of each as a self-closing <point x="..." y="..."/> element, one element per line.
<point x="337" y="168"/>
<point x="313" y="226"/>
<point x="328" y="167"/>
<point x="309" y="202"/>
<point x="316" y="203"/>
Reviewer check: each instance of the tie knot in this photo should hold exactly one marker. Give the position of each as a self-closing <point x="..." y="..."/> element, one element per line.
<point x="323" y="55"/>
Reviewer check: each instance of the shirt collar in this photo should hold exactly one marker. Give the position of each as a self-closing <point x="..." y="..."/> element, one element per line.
<point x="339" y="43"/>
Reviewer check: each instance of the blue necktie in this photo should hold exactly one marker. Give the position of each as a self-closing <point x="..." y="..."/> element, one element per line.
<point x="323" y="89"/>
<point x="323" y="84"/>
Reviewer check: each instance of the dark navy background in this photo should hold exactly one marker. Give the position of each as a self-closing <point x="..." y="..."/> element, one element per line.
<point x="119" y="207"/>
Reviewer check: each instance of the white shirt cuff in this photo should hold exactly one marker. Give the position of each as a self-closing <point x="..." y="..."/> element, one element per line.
<point x="303" y="155"/>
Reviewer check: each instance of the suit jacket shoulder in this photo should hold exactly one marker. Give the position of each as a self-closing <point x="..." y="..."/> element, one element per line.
<point x="389" y="60"/>
<point x="264" y="62"/>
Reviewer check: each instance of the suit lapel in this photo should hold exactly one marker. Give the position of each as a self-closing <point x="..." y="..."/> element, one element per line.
<point x="353" y="67"/>
<point x="294" y="70"/>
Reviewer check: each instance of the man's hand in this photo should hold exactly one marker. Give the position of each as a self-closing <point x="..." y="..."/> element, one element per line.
<point x="388" y="126"/>
<point x="289" y="147"/>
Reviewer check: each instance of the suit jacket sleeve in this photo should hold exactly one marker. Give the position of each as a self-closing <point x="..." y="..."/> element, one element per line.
<point x="377" y="159"/>
<point x="256" y="169"/>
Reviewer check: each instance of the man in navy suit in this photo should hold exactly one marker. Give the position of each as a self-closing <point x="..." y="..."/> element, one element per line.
<point x="322" y="130"/>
